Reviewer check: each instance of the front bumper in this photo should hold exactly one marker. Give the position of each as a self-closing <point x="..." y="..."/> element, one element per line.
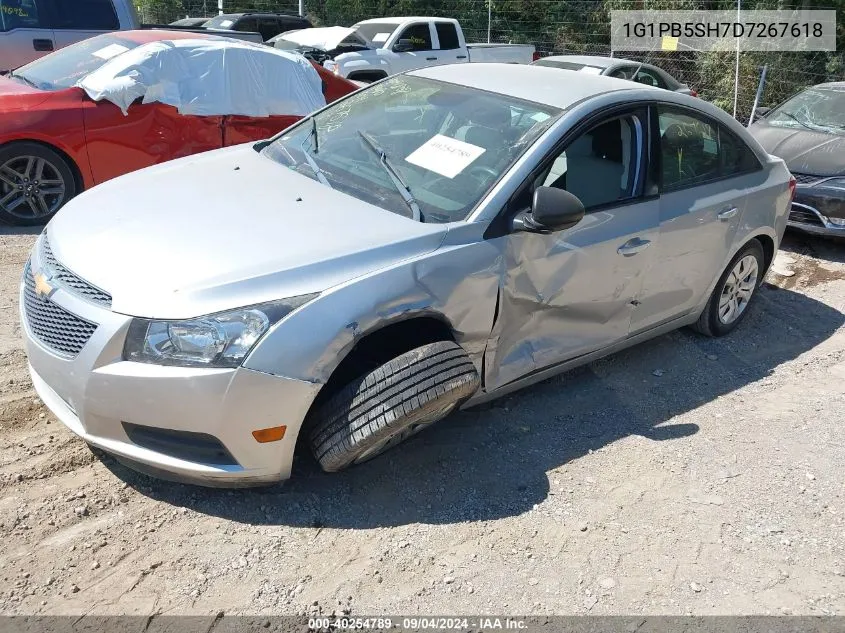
<point x="807" y="218"/>
<point x="101" y="398"/>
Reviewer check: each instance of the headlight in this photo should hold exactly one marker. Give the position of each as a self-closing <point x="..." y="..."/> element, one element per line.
<point x="217" y="340"/>
<point x="837" y="221"/>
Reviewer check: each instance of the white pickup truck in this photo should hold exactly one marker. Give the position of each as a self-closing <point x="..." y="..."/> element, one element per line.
<point x="374" y="49"/>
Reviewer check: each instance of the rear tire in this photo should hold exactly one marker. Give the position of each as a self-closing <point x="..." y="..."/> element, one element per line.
<point x="391" y="403"/>
<point x="35" y="182"/>
<point x="733" y="293"/>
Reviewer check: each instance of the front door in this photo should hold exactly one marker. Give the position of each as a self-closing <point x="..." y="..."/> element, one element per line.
<point x="422" y="51"/>
<point x="569" y="293"/>
<point x="149" y="134"/>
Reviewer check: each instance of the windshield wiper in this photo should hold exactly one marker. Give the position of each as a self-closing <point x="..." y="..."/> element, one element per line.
<point x="795" y="118"/>
<point x="401" y="186"/>
<point x="311" y="162"/>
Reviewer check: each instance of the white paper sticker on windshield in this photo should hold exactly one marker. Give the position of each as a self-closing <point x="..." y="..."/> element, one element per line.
<point x="445" y="156"/>
<point x="225" y="24"/>
<point x="590" y="70"/>
<point x="381" y="37"/>
<point x="112" y="50"/>
<point x="540" y="117"/>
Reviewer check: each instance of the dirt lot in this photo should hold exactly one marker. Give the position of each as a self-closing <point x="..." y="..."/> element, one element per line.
<point x="686" y="475"/>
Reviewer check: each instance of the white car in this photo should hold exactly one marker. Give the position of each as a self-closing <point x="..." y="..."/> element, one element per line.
<point x="433" y="241"/>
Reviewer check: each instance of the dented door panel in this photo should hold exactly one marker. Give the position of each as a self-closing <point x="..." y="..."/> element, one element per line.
<point x="148" y="135"/>
<point x="568" y="293"/>
<point x="246" y="129"/>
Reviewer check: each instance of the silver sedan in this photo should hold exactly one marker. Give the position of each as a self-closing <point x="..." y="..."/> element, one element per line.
<point x="433" y="241"/>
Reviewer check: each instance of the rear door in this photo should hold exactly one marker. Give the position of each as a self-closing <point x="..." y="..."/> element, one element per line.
<point x="81" y="19"/>
<point x="150" y="134"/>
<point x="708" y="176"/>
<point x="449" y="49"/>
<point x="25" y="32"/>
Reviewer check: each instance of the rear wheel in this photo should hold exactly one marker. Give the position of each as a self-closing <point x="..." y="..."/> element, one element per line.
<point x="35" y="181"/>
<point x="732" y="295"/>
<point x="391" y="403"/>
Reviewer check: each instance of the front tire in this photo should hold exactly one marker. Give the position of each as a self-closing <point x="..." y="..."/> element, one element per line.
<point x="35" y="181"/>
<point x="734" y="291"/>
<point x="391" y="403"/>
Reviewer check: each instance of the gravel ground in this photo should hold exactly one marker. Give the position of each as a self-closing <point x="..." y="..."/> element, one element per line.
<point x="686" y="475"/>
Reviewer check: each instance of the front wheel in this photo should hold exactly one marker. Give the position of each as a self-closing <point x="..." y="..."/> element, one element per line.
<point x="35" y="181"/>
<point x="732" y="295"/>
<point x="391" y="403"/>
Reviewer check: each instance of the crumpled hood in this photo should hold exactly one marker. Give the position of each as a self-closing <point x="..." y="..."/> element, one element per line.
<point x="805" y="151"/>
<point x="324" y="38"/>
<point x="225" y="229"/>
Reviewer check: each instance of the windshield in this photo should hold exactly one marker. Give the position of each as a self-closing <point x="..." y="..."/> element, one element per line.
<point x="584" y="68"/>
<point x="821" y="109"/>
<point x="67" y="66"/>
<point x="375" y="32"/>
<point x="447" y="144"/>
<point x="220" y="22"/>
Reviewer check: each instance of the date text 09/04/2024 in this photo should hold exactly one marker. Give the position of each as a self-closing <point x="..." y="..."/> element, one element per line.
<point x="416" y="623"/>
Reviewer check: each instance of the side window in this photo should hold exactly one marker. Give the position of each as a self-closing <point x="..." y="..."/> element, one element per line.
<point x="420" y="37"/>
<point x="86" y="15"/>
<point x="689" y="149"/>
<point x="268" y="27"/>
<point x="600" y="166"/>
<point x="737" y="157"/>
<point x="19" y="14"/>
<point x="448" y="36"/>
<point x="249" y="25"/>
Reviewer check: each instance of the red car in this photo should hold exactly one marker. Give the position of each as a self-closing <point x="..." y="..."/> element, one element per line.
<point x="56" y="141"/>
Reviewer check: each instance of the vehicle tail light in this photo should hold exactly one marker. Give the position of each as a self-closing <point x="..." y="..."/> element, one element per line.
<point x="792" y="183"/>
<point x="536" y="56"/>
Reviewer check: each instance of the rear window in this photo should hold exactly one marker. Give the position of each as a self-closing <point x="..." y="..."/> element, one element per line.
<point x="86" y="15"/>
<point x="584" y="68"/>
<point x="64" y="68"/>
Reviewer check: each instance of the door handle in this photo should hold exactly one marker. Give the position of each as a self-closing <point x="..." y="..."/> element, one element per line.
<point x="633" y="246"/>
<point x="461" y="57"/>
<point x="42" y="45"/>
<point x="430" y="59"/>
<point x="727" y="214"/>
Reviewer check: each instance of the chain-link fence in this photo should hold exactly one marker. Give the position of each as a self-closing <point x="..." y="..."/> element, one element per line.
<point x="574" y="26"/>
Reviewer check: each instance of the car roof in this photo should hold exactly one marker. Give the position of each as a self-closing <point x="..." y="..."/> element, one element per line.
<point x="832" y="85"/>
<point x="540" y="84"/>
<point x="157" y="35"/>
<point x="403" y="20"/>
<point x="259" y="14"/>
<point x="591" y="60"/>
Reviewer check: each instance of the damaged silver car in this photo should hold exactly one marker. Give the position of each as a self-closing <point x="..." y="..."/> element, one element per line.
<point x="430" y="242"/>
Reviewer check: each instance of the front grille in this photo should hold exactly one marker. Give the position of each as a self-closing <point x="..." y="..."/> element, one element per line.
<point x="54" y="326"/>
<point x="804" y="216"/>
<point x="805" y="179"/>
<point x="73" y="283"/>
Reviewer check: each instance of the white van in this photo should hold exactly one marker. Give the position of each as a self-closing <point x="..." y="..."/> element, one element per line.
<point x="30" y="29"/>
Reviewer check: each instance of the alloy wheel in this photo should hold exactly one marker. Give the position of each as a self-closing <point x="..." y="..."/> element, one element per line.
<point x="738" y="289"/>
<point x="31" y="187"/>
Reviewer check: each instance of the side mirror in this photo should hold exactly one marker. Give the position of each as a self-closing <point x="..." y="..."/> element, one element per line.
<point x="760" y="112"/>
<point x="552" y="210"/>
<point x="403" y="46"/>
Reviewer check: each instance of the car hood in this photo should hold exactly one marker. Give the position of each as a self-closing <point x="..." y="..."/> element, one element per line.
<point x="16" y="95"/>
<point x="322" y="38"/>
<point x="805" y="151"/>
<point x="225" y="229"/>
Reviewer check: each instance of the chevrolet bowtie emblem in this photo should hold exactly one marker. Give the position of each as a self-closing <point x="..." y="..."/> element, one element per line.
<point x="43" y="289"/>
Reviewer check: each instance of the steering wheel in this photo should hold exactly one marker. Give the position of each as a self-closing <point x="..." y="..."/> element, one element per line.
<point x="480" y="171"/>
